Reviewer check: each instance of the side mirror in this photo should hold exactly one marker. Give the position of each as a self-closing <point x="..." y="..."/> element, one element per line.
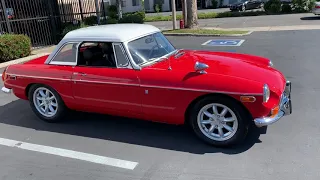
<point x="201" y="67"/>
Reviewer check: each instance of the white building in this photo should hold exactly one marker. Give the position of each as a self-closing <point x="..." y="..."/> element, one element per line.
<point x="136" y="5"/>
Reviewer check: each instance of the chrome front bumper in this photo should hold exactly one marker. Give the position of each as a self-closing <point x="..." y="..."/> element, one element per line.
<point x="5" y="90"/>
<point x="285" y="108"/>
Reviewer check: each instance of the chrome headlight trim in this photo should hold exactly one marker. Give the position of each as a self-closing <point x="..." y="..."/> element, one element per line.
<point x="266" y="93"/>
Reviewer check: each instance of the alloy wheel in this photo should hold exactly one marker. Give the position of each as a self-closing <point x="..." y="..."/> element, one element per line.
<point x="217" y="122"/>
<point x="45" y="102"/>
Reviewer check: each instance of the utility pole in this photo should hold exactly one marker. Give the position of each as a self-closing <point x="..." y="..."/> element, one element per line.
<point x="174" y="15"/>
<point x="98" y="11"/>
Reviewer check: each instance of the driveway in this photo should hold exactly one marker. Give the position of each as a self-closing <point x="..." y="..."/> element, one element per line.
<point x="113" y="145"/>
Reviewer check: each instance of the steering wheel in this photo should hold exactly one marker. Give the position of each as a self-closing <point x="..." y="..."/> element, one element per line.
<point x="153" y="48"/>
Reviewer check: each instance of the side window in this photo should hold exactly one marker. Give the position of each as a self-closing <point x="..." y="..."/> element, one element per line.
<point x="96" y="54"/>
<point x="67" y="54"/>
<point x="122" y="59"/>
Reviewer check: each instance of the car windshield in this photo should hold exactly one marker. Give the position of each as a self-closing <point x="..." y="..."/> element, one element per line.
<point x="150" y="48"/>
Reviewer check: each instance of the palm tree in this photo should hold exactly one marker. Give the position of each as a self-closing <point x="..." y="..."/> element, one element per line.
<point x="119" y="4"/>
<point x="192" y="16"/>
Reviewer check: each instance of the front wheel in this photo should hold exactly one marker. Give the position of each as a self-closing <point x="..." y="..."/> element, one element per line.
<point x="46" y="103"/>
<point x="219" y="121"/>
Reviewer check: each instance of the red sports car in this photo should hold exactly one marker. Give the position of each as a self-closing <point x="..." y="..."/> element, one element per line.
<point x="132" y="70"/>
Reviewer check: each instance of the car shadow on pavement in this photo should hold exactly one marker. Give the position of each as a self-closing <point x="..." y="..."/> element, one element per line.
<point x="119" y="129"/>
<point x="310" y="18"/>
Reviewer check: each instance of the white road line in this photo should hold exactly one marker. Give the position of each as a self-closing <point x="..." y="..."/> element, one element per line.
<point x="205" y="43"/>
<point x="70" y="154"/>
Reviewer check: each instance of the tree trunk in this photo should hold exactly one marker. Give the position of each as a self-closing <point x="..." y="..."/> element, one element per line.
<point x="192" y="16"/>
<point x="119" y="9"/>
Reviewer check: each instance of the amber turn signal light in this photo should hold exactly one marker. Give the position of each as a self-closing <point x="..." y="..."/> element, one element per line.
<point x="274" y="111"/>
<point x="247" y="99"/>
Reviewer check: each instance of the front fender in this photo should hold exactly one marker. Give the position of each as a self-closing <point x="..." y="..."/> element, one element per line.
<point x="235" y="87"/>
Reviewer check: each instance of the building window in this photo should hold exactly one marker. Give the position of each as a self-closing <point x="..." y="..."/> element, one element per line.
<point x="135" y="2"/>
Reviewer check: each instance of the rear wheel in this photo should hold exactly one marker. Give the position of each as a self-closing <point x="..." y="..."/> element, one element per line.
<point x="219" y="121"/>
<point x="46" y="103"/>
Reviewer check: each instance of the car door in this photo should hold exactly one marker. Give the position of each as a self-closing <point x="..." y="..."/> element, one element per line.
<point x="107" y="89"/>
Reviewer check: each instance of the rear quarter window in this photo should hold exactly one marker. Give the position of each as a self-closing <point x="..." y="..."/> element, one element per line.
<point x="67" y="53"/>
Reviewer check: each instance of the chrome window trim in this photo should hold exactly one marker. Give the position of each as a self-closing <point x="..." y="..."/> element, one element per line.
<point x="57" y="51"/>
<point x="134" y="65"/>
<point x="128" y="64"/>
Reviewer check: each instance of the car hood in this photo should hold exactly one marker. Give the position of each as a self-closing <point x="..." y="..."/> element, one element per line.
<point x="250" y="67"/>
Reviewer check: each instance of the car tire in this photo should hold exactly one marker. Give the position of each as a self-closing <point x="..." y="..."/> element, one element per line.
<point x="46" y="103"/>
<point x="233" y="132"/>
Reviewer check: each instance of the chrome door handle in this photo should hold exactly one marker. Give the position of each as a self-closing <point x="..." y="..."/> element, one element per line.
<point x="80" y="73"/>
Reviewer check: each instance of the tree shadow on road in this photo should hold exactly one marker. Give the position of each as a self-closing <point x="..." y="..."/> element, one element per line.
<point x="310" y="18"/>
<point x="119" y="129"/>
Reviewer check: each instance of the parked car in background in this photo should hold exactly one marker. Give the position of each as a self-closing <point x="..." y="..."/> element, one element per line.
<point x="244" y="5"/>
<point x="316" y="8"/>
<point x="132" y="70"/>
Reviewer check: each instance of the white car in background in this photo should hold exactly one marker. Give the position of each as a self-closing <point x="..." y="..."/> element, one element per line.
<point x="316" y="8"/>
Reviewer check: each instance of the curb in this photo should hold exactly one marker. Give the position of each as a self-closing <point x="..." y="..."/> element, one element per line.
<point x="207" y="35"/>
<point x="21" y="60"/>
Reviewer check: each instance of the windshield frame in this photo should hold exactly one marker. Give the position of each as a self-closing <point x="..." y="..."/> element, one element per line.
<point x="155" y="60"/>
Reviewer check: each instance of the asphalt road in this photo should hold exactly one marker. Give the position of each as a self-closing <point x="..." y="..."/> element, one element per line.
<point x="199" y="11"/>
<point x="252" y="21"/>
<point x="289" y="150"/>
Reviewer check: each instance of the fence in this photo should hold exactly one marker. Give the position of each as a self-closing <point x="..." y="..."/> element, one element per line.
<point x="43" y="20"/>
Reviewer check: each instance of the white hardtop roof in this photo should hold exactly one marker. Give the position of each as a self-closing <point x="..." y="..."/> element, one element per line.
<point x="112" y="32"/>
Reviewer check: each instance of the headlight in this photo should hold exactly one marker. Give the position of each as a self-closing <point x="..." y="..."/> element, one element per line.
<point x="266" y="93"/>
<point x="270" y="63"/>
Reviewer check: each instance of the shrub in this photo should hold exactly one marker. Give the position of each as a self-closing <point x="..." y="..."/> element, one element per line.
<point x="310" y="4"/>
<point x="109" y="21"/>
<point x="157" y="7"/>
<point x="142" y="14"/>
<point x="91" y="20"/>
<point x="131" y="18"/>
<point x="214" y="4"/>
<point x="112" y="12"/>
<point x="272" y="6"/>
<point x="14" y="46"/>
<point x="72" y="27"/>
<point x="286" y="8"/>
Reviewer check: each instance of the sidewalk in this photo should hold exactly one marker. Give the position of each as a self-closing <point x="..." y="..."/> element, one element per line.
<point x="48" y="49"/>
<point x="271" y="28"/>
